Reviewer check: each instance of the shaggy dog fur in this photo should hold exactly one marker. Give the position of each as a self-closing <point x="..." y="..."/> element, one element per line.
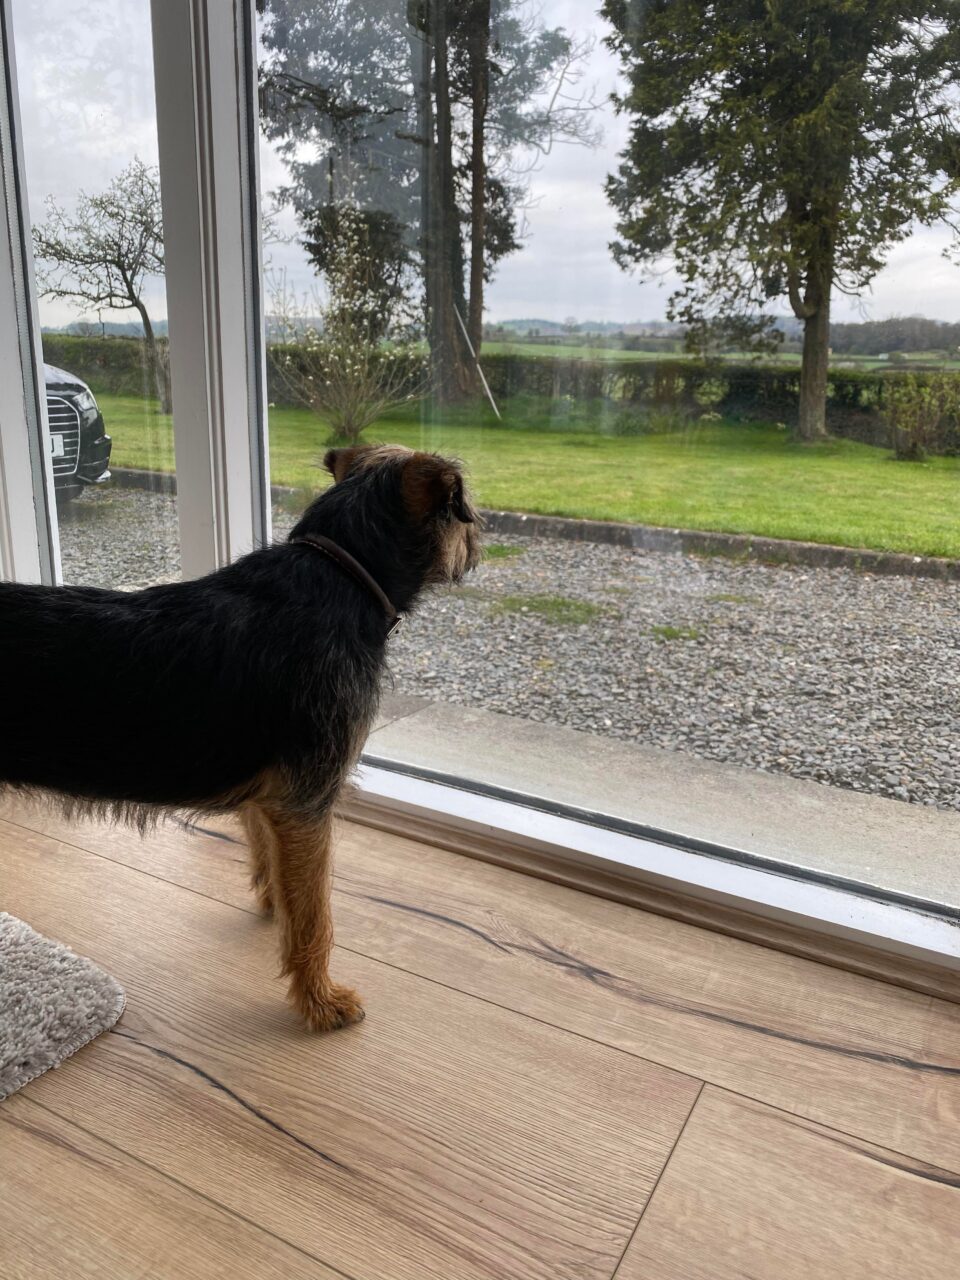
<point x="250" y="690"/>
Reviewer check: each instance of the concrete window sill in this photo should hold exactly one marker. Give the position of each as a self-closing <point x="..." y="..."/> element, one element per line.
<point x="888" y="845"/>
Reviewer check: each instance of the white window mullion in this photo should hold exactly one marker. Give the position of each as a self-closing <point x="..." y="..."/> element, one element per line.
<point x="29" y="546"/>
<point x="204" y="61"/>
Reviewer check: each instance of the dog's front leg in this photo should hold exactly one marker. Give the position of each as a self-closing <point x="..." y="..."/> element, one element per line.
<point x="299" y="850"/>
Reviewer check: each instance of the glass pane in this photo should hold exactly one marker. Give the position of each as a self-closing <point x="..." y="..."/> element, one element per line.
<point x="638" y="278"/>
<point x="89" y="123"/>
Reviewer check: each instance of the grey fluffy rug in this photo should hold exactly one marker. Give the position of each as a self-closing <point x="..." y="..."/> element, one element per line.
<point x="52" y="1003"/>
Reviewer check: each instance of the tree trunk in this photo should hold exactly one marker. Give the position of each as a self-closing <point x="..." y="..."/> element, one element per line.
<point x="454" y="373"/>
<point x="155" y="365"/>
<point x="813" y="372"/>
<point x="813" y="308"/>
<point x="422" y="60"/>
<point x="479" y="52"/>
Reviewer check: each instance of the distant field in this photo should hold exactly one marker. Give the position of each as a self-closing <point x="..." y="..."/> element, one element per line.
<point x="932" y="360"/>
<point x="729" y="477"/>
<point x="571" y="352"/>
<point x="929" y="359"/>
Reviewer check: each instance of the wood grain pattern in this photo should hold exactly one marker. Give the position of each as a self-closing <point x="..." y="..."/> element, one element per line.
<point x="753" y="1192"/>
<point x="840" y="1049"/>
<point x="824" y="948"/>
<point x="443" y="1137"/>
<point x="72" y="1206"/>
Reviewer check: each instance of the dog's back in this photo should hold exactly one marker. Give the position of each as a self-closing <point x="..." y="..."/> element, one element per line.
<point x="176" y="694"/>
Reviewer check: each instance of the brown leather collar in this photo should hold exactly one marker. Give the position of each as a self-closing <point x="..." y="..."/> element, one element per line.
<point x="356" y="570"/>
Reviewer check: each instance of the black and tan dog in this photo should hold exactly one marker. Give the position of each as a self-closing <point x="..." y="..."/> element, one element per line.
<point x="250" y="690"/>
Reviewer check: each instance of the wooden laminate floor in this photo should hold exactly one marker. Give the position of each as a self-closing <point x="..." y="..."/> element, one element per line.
<point x="547" y="1085"/>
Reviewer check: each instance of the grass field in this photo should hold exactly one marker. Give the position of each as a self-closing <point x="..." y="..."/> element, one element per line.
<point x="571" y="352"/>
<point x="925" y="359"/>
<point x="733" y="478"/>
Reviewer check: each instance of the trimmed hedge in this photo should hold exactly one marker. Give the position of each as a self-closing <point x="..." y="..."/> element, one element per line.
<point x="117" y="366"/>
<point x="771" y="392"/>
<point x="855" y="397"/>
<point x="111" y="366"/>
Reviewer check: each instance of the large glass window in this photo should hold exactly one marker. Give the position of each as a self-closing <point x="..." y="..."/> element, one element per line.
<point x="90" y="143"/>
<point x="657" y="269"/>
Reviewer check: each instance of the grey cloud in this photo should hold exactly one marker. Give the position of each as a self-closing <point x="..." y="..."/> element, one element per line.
<point x="86" y="79"/>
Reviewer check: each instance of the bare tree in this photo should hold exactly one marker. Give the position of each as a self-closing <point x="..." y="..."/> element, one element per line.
<point x="104" y="254"/>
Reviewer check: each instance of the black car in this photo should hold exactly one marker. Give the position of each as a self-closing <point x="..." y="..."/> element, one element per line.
<point x="79" y="445"/>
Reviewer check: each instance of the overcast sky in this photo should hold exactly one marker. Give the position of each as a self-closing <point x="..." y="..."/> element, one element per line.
<point x="86" y="87"/>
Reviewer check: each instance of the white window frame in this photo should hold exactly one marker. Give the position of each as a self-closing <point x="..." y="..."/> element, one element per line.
<point x="29" y="543"/>
<point x="205" y="79"/>
<point x="204" y="55"/>
<point x="517" y="830"/>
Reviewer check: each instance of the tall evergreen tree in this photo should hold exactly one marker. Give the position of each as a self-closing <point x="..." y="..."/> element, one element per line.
<point x="780" y="148"/>
<point x="418" y="110"/>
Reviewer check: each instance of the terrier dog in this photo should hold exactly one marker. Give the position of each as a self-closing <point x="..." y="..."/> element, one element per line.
<point x="251" y="690"/>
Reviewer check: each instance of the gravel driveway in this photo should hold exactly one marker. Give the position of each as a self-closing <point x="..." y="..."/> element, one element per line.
<point x="819" y="673"/>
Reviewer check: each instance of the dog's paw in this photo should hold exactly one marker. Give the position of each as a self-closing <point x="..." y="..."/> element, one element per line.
<point x="336" y="1007"/>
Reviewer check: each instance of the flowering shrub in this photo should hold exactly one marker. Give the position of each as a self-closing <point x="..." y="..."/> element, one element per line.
<point x="362" y="353"/>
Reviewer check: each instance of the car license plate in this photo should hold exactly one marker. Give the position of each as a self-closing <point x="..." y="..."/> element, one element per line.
<point x="56" y="446"/>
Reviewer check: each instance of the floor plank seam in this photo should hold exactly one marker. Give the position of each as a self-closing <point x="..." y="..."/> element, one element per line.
<point x="767" y="945"/>
<point x="348" y="950"/>
<point x="387" y="964"/>
<point x="188" y="827"/>
<point x="192" y="1191"/>
<point x="118" y="862"/>
<point x="946" y="1176"/>
<point x="729" y="1183"/>
<point x="653" y="1189"/>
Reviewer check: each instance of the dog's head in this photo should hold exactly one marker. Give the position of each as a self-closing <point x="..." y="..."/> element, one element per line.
<point x="432" y="494"/>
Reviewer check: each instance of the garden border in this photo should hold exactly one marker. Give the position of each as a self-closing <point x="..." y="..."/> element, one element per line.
<point x="733" y="546"/>
<point x="647" y="537"/>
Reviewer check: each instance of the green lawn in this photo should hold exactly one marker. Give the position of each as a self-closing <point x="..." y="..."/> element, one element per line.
<point x="733" y="478"/>
<point x="928" y="359"/>
<point x="571" y="351"/>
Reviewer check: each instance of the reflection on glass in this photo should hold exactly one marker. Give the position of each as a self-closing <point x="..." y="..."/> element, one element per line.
<point x="87" y="103"/>
<point x="648" y="267"/>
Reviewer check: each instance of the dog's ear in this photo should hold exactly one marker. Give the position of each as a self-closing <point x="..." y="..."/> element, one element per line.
<point x="340" y="461"/>
<point x="433" y="486"/>
<point x="459" y="505"/>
